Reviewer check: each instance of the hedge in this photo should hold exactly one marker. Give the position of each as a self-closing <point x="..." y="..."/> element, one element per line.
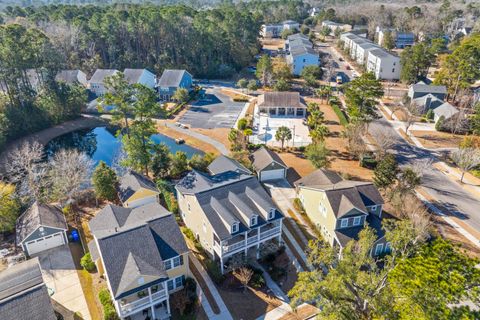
<point x="109" y="312"/>
<point x="87" y="263"/>
<point x="341" y="116"/>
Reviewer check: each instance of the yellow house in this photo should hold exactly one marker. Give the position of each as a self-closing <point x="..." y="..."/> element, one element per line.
<point x="341" y="208"/>
<point x="135" y="190"/>
<point x="143" y="256"/>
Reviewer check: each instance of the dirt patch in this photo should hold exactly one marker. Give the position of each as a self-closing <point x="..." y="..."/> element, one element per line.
<point x="272" y="43"/>
<point x="300" y="165"/>
<point x="287" y="281"/>
<point x="219" y="134"/>
<point x="306" y="311"/>
<point x="235" y="94"/>
<point x="253" y="303"/>
<point x="435" y="139"/>
<point x="191" y="141"/>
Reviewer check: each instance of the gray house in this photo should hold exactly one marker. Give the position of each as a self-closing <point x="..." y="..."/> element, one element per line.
<point x="23" y="294"/>
<point x="72" y="77"/>
<point x="171" y="80"/>
<point x="40" y="228"/>
<point x="421" y="89"/>
<point x="268" y="165"/>
<point x="223" y="163"/>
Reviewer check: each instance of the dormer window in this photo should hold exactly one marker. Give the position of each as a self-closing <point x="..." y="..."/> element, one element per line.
<point x="271" y="214"/>
<point x="356" y="221"/>
<point x="235" y="227"/>
<point x="253" y="221"/>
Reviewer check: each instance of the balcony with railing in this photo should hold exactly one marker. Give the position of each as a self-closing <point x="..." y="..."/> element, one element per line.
<point x="142" y="299"/>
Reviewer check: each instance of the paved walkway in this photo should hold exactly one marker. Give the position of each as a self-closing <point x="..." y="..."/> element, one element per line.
<point x="224" y="313"/>
<point x="218" y="145"/>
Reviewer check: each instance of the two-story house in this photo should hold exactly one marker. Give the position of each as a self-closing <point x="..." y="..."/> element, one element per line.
<point x="135" y="190"/>
<point x="143" y="256"/>
<point x="300" y="53"/>
<point x="171" y="81"/>
<point x="421" y="89"/>
<point x="140" y="76"/>
<point x="229" y="212"/>
<point x="72" y="77"/>
<point x="341" y="208"/>
<point x="96" y="84"/>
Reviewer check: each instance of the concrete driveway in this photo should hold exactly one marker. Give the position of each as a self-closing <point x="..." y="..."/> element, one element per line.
<point x="60" y="276"/>
<point x="216" y="110"/>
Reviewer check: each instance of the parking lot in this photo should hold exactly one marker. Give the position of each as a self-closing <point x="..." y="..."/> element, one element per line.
<point x="215" y="110"/>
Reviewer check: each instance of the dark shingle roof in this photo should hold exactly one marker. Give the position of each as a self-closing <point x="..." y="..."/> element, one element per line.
<point x="133" y="75"/>
<point x="319" y="177"/>
<point x="171" y="78"/>
<point x="280" y="99"/>
<point x="68" y="76"/>
<point x="346" y="235"/>
<point x="23" y="295"/>
<point x="380" y="53"/>
<point x="425" y="88"/>
<point x="133" y="252"/>
<point x="39" y="215"/>
<point x="297" y="36"/>
<point x="101" y="74"/>
<point x="195" y="182"/>
<point x="264" y="157"/>
<point x="223" y="163"/>
<point x="131" y="182"/>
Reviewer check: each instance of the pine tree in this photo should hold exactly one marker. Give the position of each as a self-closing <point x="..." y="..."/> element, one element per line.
<point x="104" y="181"/>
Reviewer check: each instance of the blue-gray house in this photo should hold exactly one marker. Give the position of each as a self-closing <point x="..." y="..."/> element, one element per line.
<point x="171" y="80"/>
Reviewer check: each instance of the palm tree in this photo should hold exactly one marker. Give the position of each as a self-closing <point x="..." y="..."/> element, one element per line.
<point x="283" y="133"/>
<point x="319" y="133"/>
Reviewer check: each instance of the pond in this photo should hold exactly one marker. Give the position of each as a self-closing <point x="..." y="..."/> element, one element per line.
<point x="101" y="144"/>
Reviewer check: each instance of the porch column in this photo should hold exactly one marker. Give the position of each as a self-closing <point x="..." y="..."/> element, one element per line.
<point x="258" y="251"/>
<point x="151" y="302"/>
<point x="168" y="303"/>
<point x="221" y="264"/>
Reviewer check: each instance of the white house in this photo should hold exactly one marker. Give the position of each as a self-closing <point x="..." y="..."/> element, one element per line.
<point x="96" y="83"/>
<point x="140" y="76"/>
<point x="384" y="65"/>
<point x="275" y="30"/>
<point x="333" y="26"/>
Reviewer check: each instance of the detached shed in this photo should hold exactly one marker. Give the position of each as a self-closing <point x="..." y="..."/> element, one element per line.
<point x="40" y="228"/>
<point x="268" y="165"/>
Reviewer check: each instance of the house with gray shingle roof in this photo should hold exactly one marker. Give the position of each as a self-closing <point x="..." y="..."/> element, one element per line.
<point x="300" y="53"/>
<point x="421" y="89"/>
<point x="342" y="208"/>
<point x="41" y="227"/>
<point x="140" y="76"/>
<point x="135" y="190"/>
<point x="223" y="164"/>
<point x="171" y="81"/>
<point x="284" y="104"/>
<point x="72" y="77"/>
<point x="268" y="165"/>
<point x="143" y="256"/>
<point x="446" y="110"/>
<point x="96" y="83"/>
<point x="23" y="294"/>
<point x="230" y="213"/>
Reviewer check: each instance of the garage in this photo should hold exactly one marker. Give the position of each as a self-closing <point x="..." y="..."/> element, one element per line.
<point x="41" y="227"/>
<point x="267" y="175"/>
<point x="45" y="243"/>
<point x="268" y="165"/>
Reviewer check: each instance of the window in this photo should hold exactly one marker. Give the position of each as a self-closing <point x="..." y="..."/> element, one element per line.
<point x="373" y="208"/>
<point x="253" y="221"/>
<point x="322" y="209"/>
<point x="344" y="223"/>
<point x="179" y="281"/>
<point x="357" y="220"/>
<point x="168" y="264"/>
<point x="170" y="285"/>
<point x="393" y="70"/>
<point x="379" y="248"/>
<point x="388" y="248"/>
<point x="234" y="227"/>
<point x="188" y="205"/>
<point x="177" y="261"/>
<point x="271" y="214"/>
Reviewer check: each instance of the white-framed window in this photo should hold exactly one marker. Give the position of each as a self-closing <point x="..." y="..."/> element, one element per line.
<point x="179" y="281"/>
<point x="188" y="206"/>
<point x="177" y="261"/>
<point x="253" y="221"/>
<point x="271" y="214"/>
<point x="170" y="285"/>
<point x="357" y="220"/>
<point x="167" y="264"/>
<point x="388" y="247"/>
<point x="373" y="208"/>
<point x="379" y="248"/>
<point x="234" y="227"/>
<point x="344" y="223"/>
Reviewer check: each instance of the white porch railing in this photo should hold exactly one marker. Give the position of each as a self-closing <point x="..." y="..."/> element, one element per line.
<point x="270" y="232"/>
<point x="247" y="242"/>
<point x="141" y="303"/>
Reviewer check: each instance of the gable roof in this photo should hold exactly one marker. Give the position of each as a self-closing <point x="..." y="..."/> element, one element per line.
<point x="134" y="247"/>
<point x="133" y="75"/>
<point x="225" y="201"/>
<point x="171" y="78"/>
<point x="101" y="74"/>
<point x="345" y="235"/>
<point x="446" y="110"/>
<point x="131" y="182"/>
<point x="263" y="157"/>
<point x="223" y="163"/>
<point x="36" y="216"/>
<point x="280" y="99"/>
<point x="68" y="76"/>
<point x="319" y="177"/>
<point x="297" y="36"/>
<point x="301" y="50"/>
<point x="23" y="294"/>
<point x="428" y="101"/>
<point x="380" y="53"/>
<point x="196" y="182"/>
<point x="425" y="88"/>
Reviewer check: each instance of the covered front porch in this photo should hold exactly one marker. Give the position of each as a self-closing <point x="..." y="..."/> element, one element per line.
<point x="160" y="311"/>
<point x="140" y="301"/>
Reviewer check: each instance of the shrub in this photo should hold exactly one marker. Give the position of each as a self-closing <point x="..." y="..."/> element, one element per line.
<point x="188" y="233"/>
<point x="297" y="204"/>
<point x="214" y="272"/>
<point x="240" y="98"/>
<point x="109" y="312"/>
<point x="257" y="281"/>
<point x="242" y="124"/>
<point x="340" y="114"/>
<point x="277" y="273"/>
<point x="368" y="163"/>
<point x="439" y="124"/>
<point x="87" y="263"/>
<point x="104" y="297"/>
<point x="430" y="115"/>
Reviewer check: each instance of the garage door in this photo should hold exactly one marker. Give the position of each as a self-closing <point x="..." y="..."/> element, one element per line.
<point x="272" y="174"/>
<point x="45" y="243"/>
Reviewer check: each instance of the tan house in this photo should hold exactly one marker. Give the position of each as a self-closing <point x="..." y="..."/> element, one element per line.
<point x="341" y="208"/>
<point x="143" y="256"/>
<point x="229" y="213"/>
<point x="281" y="104"/>
<point x="135" y="190"/>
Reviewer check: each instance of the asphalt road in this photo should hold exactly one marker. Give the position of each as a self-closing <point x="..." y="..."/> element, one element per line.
<point x="216" y="110"/>
<point x="340" y="67"/>
<point x="448" y="194"/>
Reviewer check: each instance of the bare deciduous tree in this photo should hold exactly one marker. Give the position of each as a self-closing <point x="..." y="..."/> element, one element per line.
<point x="354" y="133"/>
<point x="385" y="141"/>
<point x="244" y="274"/>
<point x="69" y="171"/>
<point x="466" y="159"/>
<point x="411" y="115"/>
<point x="420" y="167"/>
<point x="180" y="301"/>
<point x="26" y="169"/>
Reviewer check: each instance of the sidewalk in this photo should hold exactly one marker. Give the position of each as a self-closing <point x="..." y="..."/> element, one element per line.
<point x="224" y="313"/>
